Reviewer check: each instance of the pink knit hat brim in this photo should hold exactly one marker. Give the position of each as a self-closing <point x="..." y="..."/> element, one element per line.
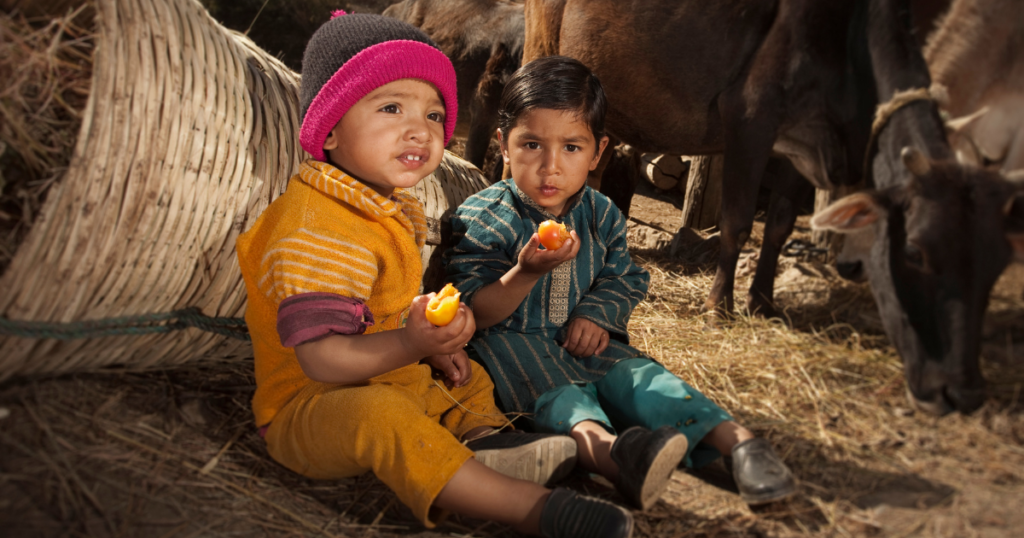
<point x="368" y="70"/>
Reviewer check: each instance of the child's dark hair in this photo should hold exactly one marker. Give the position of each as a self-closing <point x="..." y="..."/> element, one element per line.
<point x="556" y="83"/>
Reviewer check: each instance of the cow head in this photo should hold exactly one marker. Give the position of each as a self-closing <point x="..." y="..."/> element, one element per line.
<point x="937" y="245"/>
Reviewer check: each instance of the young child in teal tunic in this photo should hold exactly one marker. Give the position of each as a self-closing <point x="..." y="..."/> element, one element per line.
<point x="552" y="323"/>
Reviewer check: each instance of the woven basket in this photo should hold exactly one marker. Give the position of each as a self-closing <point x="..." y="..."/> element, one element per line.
<point x="189" y="133"/>
<point x="442" y="192"/>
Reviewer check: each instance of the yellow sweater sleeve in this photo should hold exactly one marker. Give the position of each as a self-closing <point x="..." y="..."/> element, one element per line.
<point x="317" y="260"/>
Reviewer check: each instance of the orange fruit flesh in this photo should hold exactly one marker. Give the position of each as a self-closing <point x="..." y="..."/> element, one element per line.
<point x="552" y="234"/>
<point x="442" y="308"/>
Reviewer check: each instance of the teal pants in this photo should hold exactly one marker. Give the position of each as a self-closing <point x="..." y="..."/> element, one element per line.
<point x="635" y="392"/>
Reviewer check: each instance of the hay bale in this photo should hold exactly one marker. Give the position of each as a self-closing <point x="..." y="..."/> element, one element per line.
<point x="184" y="141"/>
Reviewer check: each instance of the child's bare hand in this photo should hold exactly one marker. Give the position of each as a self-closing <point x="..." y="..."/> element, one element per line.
<point x="426" y="339"/>
<point x="534" y="261"/>
<point x="455" y="368"/>
<point x="585" y="338"/>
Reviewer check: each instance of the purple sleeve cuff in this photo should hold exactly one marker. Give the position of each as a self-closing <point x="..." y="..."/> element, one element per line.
<point x="308" y="317"/>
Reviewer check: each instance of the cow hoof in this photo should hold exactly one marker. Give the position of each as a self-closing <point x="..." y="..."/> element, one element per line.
<point x="712" y="323"/>
<point x="761" y="305"/>
<point x="939" y="407"/>
<point x="762" y="309"/>
<point x="717" y="318"/>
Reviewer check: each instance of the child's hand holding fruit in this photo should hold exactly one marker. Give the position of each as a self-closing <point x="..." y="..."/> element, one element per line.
<point x="441" y="345"/>
<point x="560" y="246"/>
<point x="439" y="327"/>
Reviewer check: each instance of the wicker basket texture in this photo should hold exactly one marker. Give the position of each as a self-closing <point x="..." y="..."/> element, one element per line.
<point x="189" y="133"/>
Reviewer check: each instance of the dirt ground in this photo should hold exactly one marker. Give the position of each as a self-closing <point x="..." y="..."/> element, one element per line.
<point x="174" y="453"/>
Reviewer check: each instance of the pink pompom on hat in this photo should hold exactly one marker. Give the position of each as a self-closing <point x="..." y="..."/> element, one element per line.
<point x="352" y="55"/>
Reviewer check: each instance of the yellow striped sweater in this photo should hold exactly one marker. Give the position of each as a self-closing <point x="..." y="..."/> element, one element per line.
<point x="327" y="233"/>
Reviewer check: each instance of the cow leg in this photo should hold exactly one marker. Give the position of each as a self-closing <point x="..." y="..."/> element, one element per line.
<point x="749" y="135"/>
<point x="481" y="128"/>
<point x="594" y="176"/>
<point x="616" y="176"/>
<point x="788" y="191"/>
<point x="484" y="110"/>
<point x="543" y="23"/>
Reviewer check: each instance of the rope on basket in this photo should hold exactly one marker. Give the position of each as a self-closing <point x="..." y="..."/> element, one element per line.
<point x="163" y="322"/>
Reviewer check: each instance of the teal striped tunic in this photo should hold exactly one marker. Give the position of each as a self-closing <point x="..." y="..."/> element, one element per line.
<point x="602" y="284"/>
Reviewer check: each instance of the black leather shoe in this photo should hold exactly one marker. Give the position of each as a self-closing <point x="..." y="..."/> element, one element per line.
<point x="538" y="457"/>
<point x="567" y="514"/>
<point x="759" y="473"/>
<point x="646" y="460"/>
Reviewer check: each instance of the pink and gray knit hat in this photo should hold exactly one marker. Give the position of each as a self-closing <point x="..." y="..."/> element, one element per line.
<point x="352" y="55"/>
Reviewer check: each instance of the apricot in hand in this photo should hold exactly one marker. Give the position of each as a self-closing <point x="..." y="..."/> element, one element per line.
<point x="442" y="308"/>
<point x="552" y="234"/>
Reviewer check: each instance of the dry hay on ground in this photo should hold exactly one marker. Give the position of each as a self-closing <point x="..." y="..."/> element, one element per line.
<point x="828" y="390"/>
<point x="46" y="66"/>
<point x="125" y="453"/>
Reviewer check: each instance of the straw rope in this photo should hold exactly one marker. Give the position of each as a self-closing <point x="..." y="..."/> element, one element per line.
<point x="883" y="114"/>
<point x="189" y="133"/>
<point x="134" y="325"/>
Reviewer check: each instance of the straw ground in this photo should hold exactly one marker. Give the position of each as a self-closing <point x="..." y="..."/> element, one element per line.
<point x="175" y="452"/>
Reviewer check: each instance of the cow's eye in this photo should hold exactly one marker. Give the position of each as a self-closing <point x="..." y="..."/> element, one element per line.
<point x="914" y="256"/>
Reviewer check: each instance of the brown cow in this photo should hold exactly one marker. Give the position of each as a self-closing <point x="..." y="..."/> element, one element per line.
<point x="484" y="39"/>
<point x="747" y="78"/>
<point x="976" y="59"/>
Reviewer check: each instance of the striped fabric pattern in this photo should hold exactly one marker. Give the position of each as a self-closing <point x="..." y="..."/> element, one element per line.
<point x="327" y="235"/>
<point x="308" y="260"/>
<point x="339" y="185"/>
<point x="326" y="256"/>
<point x="602" y="284"/>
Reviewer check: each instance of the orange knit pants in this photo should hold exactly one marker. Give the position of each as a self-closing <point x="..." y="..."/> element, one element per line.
<point x="399" y="425"/>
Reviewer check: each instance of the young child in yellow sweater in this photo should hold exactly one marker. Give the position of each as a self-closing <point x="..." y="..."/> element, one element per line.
<point x="344" y="354"/>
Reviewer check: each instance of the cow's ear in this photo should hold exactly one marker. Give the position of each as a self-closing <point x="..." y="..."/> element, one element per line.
<point x="1013" y="218"/>
<point x="849" y="213"/>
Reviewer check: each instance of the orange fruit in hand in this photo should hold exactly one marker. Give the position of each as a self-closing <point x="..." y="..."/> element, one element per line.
<point x="442" y="308"/>
<point x="552" y="234"/>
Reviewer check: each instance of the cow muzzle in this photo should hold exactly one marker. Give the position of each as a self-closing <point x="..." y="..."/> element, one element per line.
<point x="851" y="270"/>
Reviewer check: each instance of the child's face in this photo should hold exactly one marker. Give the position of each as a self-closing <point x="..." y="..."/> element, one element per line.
<point x="392" y="137"/>
<point x="550" y="152"/>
